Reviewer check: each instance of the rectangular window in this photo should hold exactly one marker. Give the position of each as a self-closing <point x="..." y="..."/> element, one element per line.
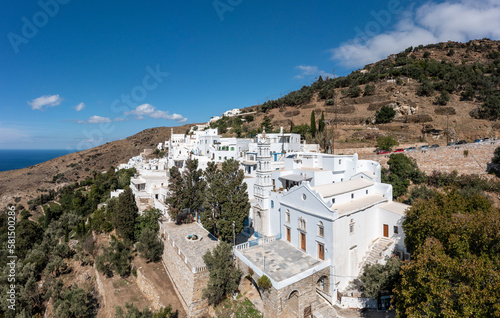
<point x="351" y="228"/>
<point x="366" y="191"/>
<point x="288" y="234"/>
<point x="333" y="201"/>
<point x="352" y="195"/>
<point x="396" y="229"/>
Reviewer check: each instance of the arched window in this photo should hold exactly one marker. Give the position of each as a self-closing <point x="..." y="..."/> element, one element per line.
<point x="351" y="227"/>
<point x="302" y="224"/>
<point x="288" y="216"/>
<point x="321" y="229"/>
<point x="272" y="204"/>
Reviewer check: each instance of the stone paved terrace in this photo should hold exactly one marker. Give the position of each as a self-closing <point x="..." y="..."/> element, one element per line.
<point x="448" y="158"/>
<point x="192" y="250"/>
<point x="282" y="260"/>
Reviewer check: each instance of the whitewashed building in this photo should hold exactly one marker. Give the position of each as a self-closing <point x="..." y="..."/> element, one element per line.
<point x="334" y="210"/>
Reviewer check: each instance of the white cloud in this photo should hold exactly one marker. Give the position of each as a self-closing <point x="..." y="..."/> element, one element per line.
<point x="311" y="71"/>
<point x="79" y="107"/>
<point x="151" y="111"/>
<point x="95" y="120"/>
<point x="432" y="22"/>
<point x="46" y="100"/>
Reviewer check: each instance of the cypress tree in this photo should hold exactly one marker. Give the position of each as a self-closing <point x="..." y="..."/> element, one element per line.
<point x="226" y="200"/>
<point x="175" y="201"/>
<point x="193" y="185"/>
<point x="124" y="215"/>
<point x="321" y="124"/>
<point x="313" y="124"/>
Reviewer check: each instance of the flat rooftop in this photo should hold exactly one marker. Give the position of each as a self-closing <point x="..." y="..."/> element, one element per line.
<point x="395" y="207"/>
<point x="282" y="260"/>
<point x="359" y="204"/>
<point x="331" y="189"/>
<point x="193" y="250"/>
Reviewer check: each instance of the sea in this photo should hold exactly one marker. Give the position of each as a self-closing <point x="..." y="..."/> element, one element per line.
<point x="21" y="158"/>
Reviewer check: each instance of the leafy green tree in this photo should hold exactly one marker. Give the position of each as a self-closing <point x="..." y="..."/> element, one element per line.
<point x="266" y="124"/>
<point x="224" y="276"/>
<point x="402" y="170"/>
<point x="378" y="278"/>
<point x="249" y="118"/>
<point x="491" y="106"/>
<point x="150" y="246"/>
<point x="114" y="258"/>
<point x="386" y="143"/>
<point x="405" y="167"/>
<point x="27" y="235"/>
<point x="421" y="192"/>
<point x="226" y="200"/>
<point x="425" y="89"/>
<point x="313" y="124"/>
<point x="369" y="90"/>
<point x="175" y="201"/>
<point x="443" y="98"/>
<point x="455" y="256"/>
<point x="384" y="115"/>
<point x="354" y="91"/>
<point x="147" y="220"/>
<point x="303" y="130"/>
<point x="124" y="215"/>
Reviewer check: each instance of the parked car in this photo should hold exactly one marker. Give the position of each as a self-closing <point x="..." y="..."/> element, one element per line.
<point x="435" y="146"/>
<point x="451" y="144"/>
<point x="423" y="147"/>
<point x="486" y="139"/>
<point x="382" y="152"/>
<point x="399" y="150"/>
<point x="411" y="149"/>
<point x="478" y="140"/>
<point x="462" y="142"/>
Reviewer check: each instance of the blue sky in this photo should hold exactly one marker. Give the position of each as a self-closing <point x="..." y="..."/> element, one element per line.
<point x="75" y="74"/>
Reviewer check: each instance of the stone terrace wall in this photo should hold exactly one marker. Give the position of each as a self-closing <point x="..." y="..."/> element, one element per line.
<point x="148" y="289"/>
<point x="447" y="159"/>
<point x="188" y="285"/>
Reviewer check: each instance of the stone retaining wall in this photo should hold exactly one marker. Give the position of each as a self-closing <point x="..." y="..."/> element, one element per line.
<point x="449" y="158"/>
<point x="148" y="289"/>
<point x="188" y="285"/>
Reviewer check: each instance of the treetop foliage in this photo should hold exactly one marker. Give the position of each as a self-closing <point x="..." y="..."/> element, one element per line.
<point x="224" y="276"/>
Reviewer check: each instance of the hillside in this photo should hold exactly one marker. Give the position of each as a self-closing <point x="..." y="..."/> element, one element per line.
<point x="447" y="85"/>
<point x="451" y="86"/>
<point x="35" y="180"/>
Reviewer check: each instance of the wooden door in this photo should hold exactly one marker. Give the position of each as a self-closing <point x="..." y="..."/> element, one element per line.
<point x="288" y="234"/>
<point x="321" y="251"/>
<point x="303" y="241"/>
<point x="386" y="230"/>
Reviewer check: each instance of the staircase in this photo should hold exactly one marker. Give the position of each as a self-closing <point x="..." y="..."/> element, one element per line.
<point x="376" y="252"/>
